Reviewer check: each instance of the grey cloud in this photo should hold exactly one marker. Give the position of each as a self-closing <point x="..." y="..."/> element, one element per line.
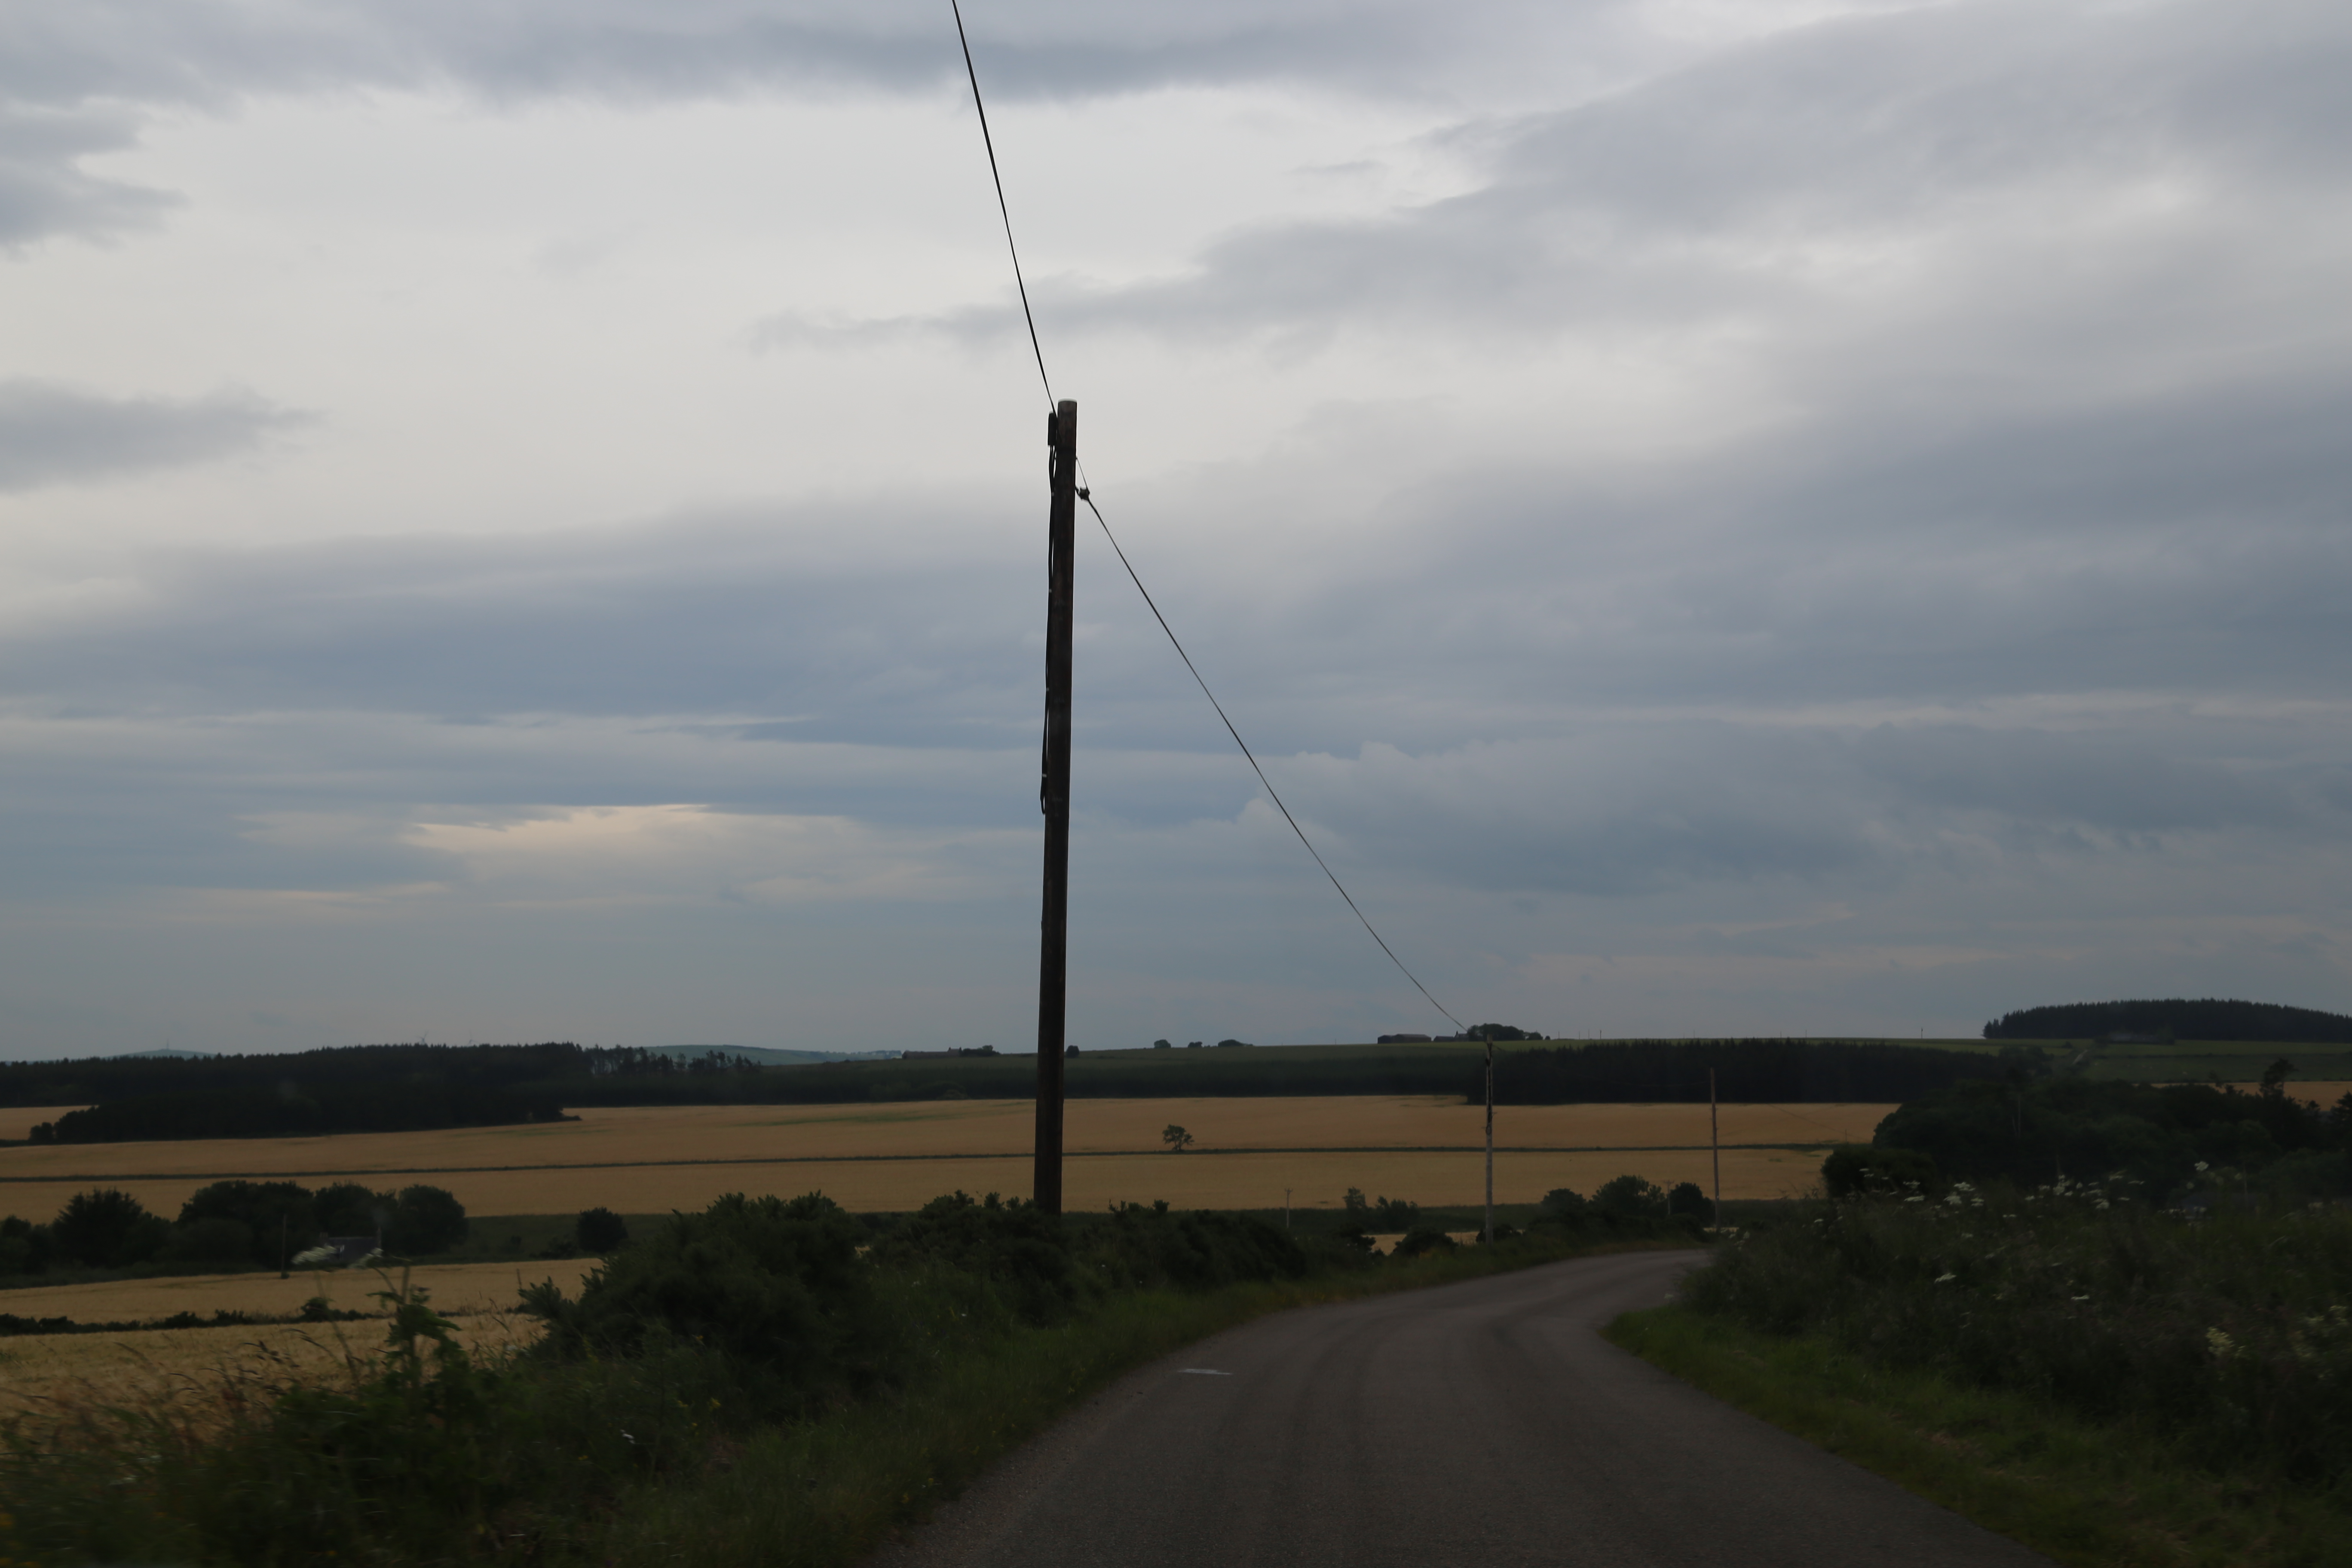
<point x="723" y="616"/>
<point x="203" y="50"/>
<point x="44" y="191"/>
<point x="1685" y="198"/>
<point x="211" y="53"/>
<point x="1624" y="809"/>
<point x="54" y="435"/>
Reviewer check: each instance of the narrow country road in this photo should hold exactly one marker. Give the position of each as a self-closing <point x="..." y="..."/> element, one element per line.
<point x="1478" y="1423"/>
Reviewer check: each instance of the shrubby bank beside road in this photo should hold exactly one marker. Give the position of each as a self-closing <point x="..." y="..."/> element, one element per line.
<point x="764" y="1382"/>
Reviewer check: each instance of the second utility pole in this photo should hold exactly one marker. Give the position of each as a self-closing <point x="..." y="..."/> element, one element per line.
<point x="1053" y="798"/>
<point x="1489" y="1238"/>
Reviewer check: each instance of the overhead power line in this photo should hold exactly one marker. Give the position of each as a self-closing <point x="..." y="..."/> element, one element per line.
<point x="1085" y="494"/>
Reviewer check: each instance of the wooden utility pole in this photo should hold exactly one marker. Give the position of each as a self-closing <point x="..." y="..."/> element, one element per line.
<point x="1053" y="798"/>
<point x="1714" y="1143"/>
<point x="1489" y="1237"/>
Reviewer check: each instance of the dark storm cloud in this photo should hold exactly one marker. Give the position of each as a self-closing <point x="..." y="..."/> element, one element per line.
<point x="54" y="435"/>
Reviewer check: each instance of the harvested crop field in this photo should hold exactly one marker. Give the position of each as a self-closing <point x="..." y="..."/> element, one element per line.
<point x="894" y="1156"/>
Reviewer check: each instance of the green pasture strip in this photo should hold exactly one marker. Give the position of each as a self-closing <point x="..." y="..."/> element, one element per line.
<point x="827" y="1492"/>
<point x="2086" y="1494"/>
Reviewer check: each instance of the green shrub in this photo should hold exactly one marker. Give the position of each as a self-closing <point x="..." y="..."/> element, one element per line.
<point x="1016" y="1246"/>
<point x="268" y="1212"/>
<point x="424" y="1220"/>
<point x="599" y="1230"/>
<point x="347" y="1208"/>
<point x="1629" y="1194"/>
<point x="1156" y="1247"/>
<point x="1857" y="1170"/>
<point x="1562" y="1201"/>
<point x="1422" y="1239"/>
<point x="106" y="1228"/>
<point x="216" y="1239"/>
<point x="772" y="1285"/>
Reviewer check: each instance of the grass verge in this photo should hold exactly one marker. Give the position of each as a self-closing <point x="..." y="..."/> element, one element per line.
<point x="825" y="1493"/>
<point x="2088" y="1494"/>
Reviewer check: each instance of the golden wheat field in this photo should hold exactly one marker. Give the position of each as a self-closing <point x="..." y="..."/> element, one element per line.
<point x="648" y="1159"/>
<point x="17" y="1122"/>
<point x="200" y="1365"/>
<point x="457" y="1289"/>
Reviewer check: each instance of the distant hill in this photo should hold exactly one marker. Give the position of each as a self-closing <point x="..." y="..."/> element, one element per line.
<point x="767" y="1055"/>
<point x="2176" y="1019"/>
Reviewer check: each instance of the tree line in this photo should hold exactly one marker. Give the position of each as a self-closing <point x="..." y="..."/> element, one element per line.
<point x="2164" y="1136"/>
<point x="413" y="1087"/>
<point x="2207" y="1018"/>
<point x="97" y="1079"/>
<point x="290" y="1109"/>
<point x="228" y="1225"/>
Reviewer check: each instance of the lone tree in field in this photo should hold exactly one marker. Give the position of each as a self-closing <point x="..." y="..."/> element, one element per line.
<point x="1175" y="1137"/>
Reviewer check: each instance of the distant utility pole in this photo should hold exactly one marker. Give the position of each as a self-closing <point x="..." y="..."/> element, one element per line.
<point x="1714" y="1143"/>
<point x="1490" y="1140"/>
<point x="1053" y="798"/>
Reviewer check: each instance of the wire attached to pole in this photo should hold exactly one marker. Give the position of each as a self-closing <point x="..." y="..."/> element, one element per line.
<point x="1002" y="208"/>
<point x="1085" y="494"/>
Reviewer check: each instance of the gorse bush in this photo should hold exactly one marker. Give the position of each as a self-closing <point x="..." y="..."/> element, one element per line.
<point x="1154" y="1247"/>
<point x="2228" y="1331"/>
<point x="1018" y="1247"/>
<point x="776" y="1285"/>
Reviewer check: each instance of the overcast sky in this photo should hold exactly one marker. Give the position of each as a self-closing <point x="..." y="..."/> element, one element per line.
<point x="527" y="521"/>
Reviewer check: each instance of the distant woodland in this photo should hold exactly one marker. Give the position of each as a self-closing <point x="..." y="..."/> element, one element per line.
<point x="2176" y="1019"/>
<point x="412" y="1088"/>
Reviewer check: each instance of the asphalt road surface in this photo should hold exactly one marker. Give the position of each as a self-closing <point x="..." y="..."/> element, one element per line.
<point x="1477" y="1424"/>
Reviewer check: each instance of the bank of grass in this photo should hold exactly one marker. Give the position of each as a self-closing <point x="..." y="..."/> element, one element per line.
<point x="2106" y="1381"/>
<point x="2084" y="1493"/>
<point x="763" y="1383"/>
